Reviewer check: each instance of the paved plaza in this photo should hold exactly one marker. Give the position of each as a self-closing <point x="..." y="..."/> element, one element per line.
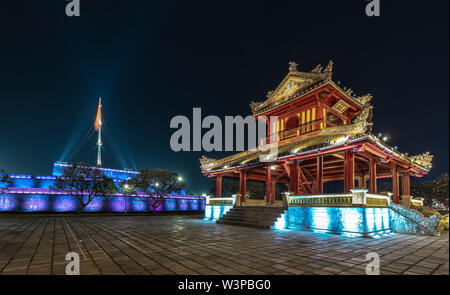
<point x="183" y="245"/>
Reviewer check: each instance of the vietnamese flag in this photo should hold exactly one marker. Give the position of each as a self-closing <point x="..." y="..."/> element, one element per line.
<point x="98" y="118"/>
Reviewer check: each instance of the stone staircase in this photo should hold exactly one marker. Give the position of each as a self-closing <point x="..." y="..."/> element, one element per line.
<point x="256" y="217"/>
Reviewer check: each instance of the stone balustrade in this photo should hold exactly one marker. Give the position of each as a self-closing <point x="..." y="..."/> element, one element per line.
<point x="357" y="198"/>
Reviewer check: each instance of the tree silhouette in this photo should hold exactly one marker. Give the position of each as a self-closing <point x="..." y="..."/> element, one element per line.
<point x="153" y="186"/>
<point x="85" y="183"/>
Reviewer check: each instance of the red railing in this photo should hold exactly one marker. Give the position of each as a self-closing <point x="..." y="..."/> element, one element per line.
<point x="300" y="130"/>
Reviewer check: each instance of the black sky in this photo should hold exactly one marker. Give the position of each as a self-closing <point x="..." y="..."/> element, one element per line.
<point x="152" y="60"/>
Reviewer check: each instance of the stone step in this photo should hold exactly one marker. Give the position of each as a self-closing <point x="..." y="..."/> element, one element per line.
<point x="265" y="211"/>
<point x="252" y="221"/>
<point x="242" y="213"/>
<point x="257" y="208"/>
<point x="256" y="217"/>
<point x="239" y="223"/>
<point x="268" y="220"/>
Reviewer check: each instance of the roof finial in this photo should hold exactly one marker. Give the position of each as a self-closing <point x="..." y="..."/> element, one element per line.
<point x="293" y="66"/>
<point x="329" y="70"/>
<point x="329" y="67"/>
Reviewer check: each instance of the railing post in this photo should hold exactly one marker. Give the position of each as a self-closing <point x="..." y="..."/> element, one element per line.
<point x="237" y="200"/>
<point x="359" y="196"/>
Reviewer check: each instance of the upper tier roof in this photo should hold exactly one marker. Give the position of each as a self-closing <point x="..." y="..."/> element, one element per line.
<point x="297" y="83"/>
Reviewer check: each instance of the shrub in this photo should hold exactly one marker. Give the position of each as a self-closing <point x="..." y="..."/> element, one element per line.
<point x="443" y="225"/>
<point x="426" y="211"/>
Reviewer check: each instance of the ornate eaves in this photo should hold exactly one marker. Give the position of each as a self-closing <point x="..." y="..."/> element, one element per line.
<point x="423" y="160"/>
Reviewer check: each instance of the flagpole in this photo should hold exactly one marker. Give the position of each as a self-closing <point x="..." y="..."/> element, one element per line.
<point x="99" y="140"/>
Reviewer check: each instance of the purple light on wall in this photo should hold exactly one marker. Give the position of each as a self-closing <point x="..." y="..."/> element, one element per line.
<point x="95" y="205"/>
<point x="7" y="202"/>
<point x="169" y="205"/>
<point x="66" y="203"/>
<point x="138" y="205"/>
<point x="42" y="198"/>
<point x="183" y="204"/>
<point x="118" y="204"/>
<point x="36" y="203"/>
<point x="194" y="204"/>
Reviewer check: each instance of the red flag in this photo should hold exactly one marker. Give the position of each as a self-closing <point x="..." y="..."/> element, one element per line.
<point x="98" y="118"/>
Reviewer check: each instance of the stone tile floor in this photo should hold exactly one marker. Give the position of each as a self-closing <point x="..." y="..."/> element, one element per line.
<point x="188" y="245"/>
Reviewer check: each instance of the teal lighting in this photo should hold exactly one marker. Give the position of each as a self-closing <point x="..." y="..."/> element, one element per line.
<point x="215" y="212"/>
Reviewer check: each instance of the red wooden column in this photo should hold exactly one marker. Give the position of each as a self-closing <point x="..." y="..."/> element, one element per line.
<point x="294" y="177"/>
<point x="268" y="185"/>
<point x="373" y="176"/>
<point x="319" y="177"/>
<point x="406" y="184"/>
<point x="219" y="186"/>
<point x="272" y="199"/>
<point x="243" y="185"/>
<point x="395" y="185"/>
<point x="407" y="180"/>
<point x="349" y="170"/>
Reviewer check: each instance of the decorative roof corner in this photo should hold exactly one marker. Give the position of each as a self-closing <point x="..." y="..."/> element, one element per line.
<point x="365" y="99"/>
<point x="329" y="70"/>
<point x="318" y="69"/>
<point x="424" y="159"/>
<point x="206" y="163"/>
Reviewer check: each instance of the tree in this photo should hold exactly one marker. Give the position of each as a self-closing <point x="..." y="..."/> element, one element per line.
<point x="440" y="189"/>
<point x="4" y="180"/>
<point x="432" y="191"/>
<point x="85" y="183"/>
<point x="153" y="186"/>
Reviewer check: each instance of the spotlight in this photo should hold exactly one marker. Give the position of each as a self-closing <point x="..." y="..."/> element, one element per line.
<point x="156" y="184"/>
<point x="396" y="147"/>
<point x="380" y="134"/>
<point x="385" y="138"/>
<point x="180" y="178"/>
<point x="126" y="186"/>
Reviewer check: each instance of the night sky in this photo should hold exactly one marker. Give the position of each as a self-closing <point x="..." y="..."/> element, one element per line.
<point x="153" y="60"/>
